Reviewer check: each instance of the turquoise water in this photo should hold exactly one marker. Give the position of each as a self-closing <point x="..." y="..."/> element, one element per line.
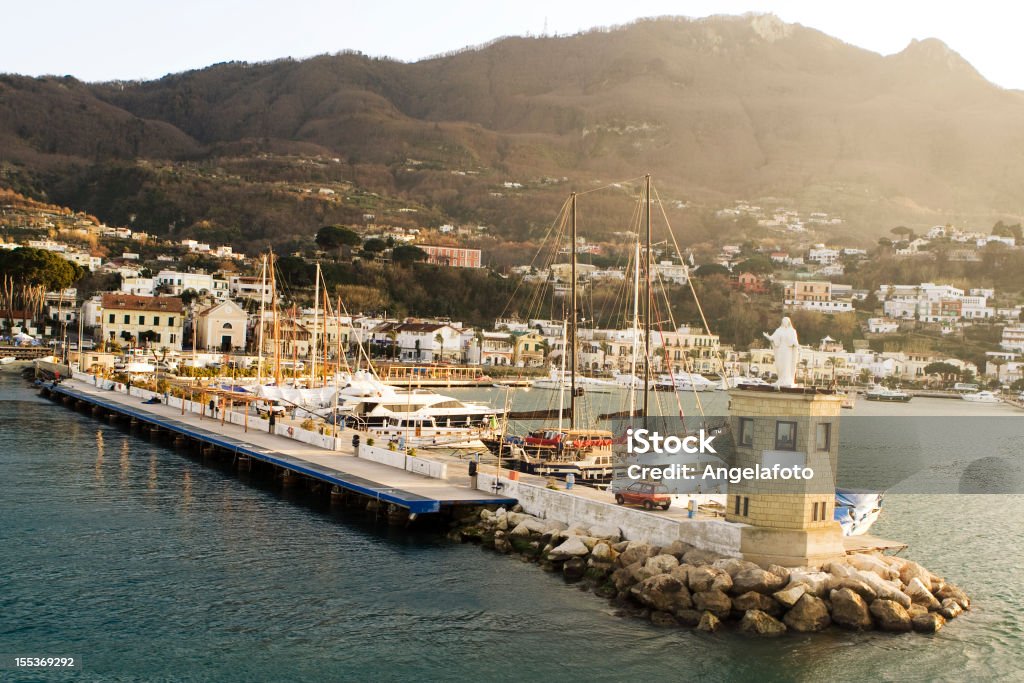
<point x="151" y="566"/>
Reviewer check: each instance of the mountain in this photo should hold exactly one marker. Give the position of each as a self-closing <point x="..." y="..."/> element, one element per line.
<point x="717" y="109"/>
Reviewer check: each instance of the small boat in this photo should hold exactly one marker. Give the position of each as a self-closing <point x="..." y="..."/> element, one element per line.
<point x="684" y="382"/>
<point x="981" y="397"/>
<point x="849" y="399"/>
<point x="563" y="380"/>
<point x="7" y="360"/>
<point x="880" y="393"/>
<point x="742" y="381"/>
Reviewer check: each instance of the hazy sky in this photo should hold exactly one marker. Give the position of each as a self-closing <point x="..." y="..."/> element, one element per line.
<point x="128" y="39"/>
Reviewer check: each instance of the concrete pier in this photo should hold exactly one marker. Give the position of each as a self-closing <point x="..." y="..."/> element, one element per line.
<point x="333" y="469"/>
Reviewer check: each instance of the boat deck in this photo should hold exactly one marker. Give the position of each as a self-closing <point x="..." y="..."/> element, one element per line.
<point x="417" y="493"/>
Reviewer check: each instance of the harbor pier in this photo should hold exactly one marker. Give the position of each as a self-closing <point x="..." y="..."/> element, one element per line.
<point x="292" y="461"/>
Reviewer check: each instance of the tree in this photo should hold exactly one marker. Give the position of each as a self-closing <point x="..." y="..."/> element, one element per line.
<point x="374" y="245"/>
<point x="439" y="339"/>
<point x="903" y="232"/>
<point x="393" y="338"/>
<point x="944" y="370"/>
<point x="334" y="237"/>
<point x="407" y="253"/>
<point x="1000" y="229"/>
<point x="759" y="265"/>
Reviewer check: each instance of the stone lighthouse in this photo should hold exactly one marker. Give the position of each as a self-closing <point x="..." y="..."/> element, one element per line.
<point x="779" y="430"/>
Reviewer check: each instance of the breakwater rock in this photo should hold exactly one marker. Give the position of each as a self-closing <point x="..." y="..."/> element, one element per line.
<point x="680" y="585"/>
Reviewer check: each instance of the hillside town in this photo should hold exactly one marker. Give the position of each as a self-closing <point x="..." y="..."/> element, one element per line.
<point x="197" y="305"/>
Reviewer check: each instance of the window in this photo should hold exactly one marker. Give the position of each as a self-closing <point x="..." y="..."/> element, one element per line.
<point x="174" y="338"/>
<point x="227" y="326"/>
<point x="746" y="431"/>
<point x="156" y="320"/>
<point x="170" y="321"/>
<point x="142" y="320"/>
<point x="785" y="436"/>
<point x="737" y="510"/>
<point x="127" y="319"/>
<point x="746" y="506"/>
<point x="823" y="436"/>
<point x="111" y="319"/>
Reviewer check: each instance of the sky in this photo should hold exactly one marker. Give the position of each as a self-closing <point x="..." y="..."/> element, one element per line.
<point x="143" y="39"/>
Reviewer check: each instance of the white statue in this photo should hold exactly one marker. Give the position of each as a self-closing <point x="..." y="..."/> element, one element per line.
<point x="786" y="348"/>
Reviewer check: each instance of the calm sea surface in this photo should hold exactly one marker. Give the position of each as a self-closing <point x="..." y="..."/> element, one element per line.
<point x="150" y="566"/>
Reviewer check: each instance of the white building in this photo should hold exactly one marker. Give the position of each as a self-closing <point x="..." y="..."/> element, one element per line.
<point x="1013" y="338"/>
<point x="139" y="286"/>
<point x="819" y="253"/>
<point x="175" y="282"/>
<point x="883" y="326"/>
<point x="221" y="327"/>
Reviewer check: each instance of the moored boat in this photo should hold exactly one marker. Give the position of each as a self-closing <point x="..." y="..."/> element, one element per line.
<point x="880" y="393"/>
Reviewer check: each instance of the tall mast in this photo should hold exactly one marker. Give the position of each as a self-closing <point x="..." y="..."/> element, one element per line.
<point x="572" y="320"/>
<point x="277" y="328"/>
<point x="561" y="380"/>
<point x="647" y="299"/>
<point x="262" y="323"/>
<point x="316" y="322"/>
<point x="636" y="327"/>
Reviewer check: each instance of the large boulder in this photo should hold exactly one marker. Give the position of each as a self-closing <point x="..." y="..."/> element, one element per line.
<point x="756" y="601"/>
<point x="663" y="619"/>
<point x="950" y="609"/>
<point x="850" y="610"/>
<point x="928" y="623"/>
<point x="756" y="621"/>
<point x="661" y="564"/>
<point x="486" y="514"/>
<point x="636" y="552"/>
<point x="517" y="518"/>
<point x="570" y="547"/>
<point x="709" y="622"/>
<point x="808" y="614"/>
<point x="890" y="615"/>
<point x="677" y="548"/>
<point x="950" y="591"/>
<point x="757" y="579"/>
<point x="872" y="563"/>
<point x="605" y="532"/>
<point x="625" y="577"/>
<point x="662" y="592"/>
<point x="816" y="582"/>
<point x="886" y="590"/>
<point x="921" y="595"/>
<point x="911" y="570"/>
<point x="706" y="577"/>
<point x="528" y="526"/>
<point x="688" y="617"/>
<point x="696" y="556"/>
<point x="788" y="596"/>
<point x="714" y="601"/>
<point x="733" y="565"/>
<point x="856" y="585"/>
<point x="779" y="570"/>
<point x="574" y="568"/>
<point x="602" y="552"/>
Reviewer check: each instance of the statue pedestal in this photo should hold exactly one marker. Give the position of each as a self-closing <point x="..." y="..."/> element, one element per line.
<point x="789" y="521"/>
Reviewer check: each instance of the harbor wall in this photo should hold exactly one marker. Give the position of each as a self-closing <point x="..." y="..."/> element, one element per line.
<point x="636" y="525"/>
<point x="409" y="463"/>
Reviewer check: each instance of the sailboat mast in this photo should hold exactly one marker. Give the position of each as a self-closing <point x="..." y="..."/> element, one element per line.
<point x="647" y="300"/>
<point x="277" y="326"/>
<point x="636" y="327"/>
<point x="262" y="323"/>
<point x="561" y="380"/>
<point x="316" y="322"/>
<point x="572" y="319"/>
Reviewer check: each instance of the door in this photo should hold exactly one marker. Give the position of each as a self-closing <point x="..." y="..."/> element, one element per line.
<point x="225" y="343"/>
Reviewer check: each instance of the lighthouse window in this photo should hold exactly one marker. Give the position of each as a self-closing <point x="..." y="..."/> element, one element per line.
<point x="823" y="437"/>
<point x="746" y="431"/>
<point x="785" y="436"/>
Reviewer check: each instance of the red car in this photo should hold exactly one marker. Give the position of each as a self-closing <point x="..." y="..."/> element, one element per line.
<point x="648" y="495"/>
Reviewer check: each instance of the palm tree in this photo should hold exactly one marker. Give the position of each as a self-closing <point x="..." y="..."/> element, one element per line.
<point x="393" y="338"/>
<point x="439" y="339"/>
<point x="605" y="348"/>
<point x="478" y="336"/>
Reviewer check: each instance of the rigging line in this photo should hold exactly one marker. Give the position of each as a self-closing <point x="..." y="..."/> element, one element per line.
<point x="689" y="281"/>
<point x="614" y="185"/>
<point x="533" y="261"/>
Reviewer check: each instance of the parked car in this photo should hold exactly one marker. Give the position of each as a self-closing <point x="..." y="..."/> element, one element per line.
<point x="649" y="496"/>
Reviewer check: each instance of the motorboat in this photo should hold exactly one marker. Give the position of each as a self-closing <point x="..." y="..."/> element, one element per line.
<point x="685" y="381"/>
<point x="584" y="453"/>
<point x="856" y="511"/>
<point x="746" y="381"/>
<point x="559" y="380"/>
<point x="880" y="393"/>
<point x="982" y="397"/>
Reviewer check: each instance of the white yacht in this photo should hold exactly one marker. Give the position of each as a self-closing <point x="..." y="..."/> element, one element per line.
<point x="981" y="397"/>
<point x="563" y="380"/>
<point x="685" y="382"/>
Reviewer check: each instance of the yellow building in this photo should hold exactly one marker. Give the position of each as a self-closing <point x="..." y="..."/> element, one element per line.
<point x="153" y="321"/>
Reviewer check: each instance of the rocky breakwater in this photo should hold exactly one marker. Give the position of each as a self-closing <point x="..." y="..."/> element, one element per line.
<point x="680" y="585"/>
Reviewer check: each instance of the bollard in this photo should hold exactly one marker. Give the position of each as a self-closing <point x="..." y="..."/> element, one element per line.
<point x="570" y="479"/>
<point x="692" y="508"/>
